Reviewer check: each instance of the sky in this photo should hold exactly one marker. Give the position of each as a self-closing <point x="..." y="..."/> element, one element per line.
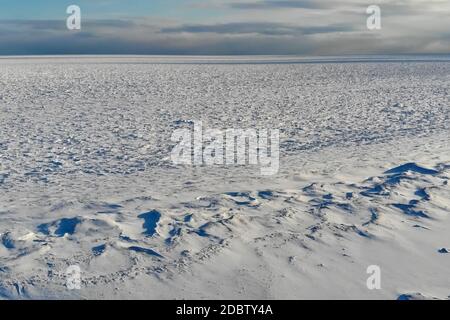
<point x="225" y="27"/>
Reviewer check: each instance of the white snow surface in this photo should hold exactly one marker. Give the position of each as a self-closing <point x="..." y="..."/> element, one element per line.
<point x="86" y="179"/>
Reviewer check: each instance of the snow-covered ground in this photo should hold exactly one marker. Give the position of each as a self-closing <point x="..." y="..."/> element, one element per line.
<point x="86" y="178"/>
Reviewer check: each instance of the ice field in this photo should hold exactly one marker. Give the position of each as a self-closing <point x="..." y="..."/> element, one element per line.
<point x="86" y="178"/>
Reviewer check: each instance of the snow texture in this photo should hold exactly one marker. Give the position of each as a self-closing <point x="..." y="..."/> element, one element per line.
<point x="86" y="179"/>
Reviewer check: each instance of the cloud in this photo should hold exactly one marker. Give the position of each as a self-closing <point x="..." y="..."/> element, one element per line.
<point x="390" y="6"/>
<point x="318" y="27"/>
<point x="262" y="28"/>
<point x="61" y="24"/>
<point x="272" y="4"/>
